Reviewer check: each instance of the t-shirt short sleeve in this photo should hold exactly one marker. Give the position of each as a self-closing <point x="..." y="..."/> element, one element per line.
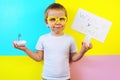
<point x="73" y="47"/>
<point x="39" y="45"/>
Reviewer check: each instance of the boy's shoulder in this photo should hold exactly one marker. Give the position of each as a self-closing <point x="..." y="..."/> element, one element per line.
<point x="44" y="35"/>
<point x="69" y="36"/>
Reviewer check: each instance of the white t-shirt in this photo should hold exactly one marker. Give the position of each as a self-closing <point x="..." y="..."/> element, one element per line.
<point x="56" y="55"/>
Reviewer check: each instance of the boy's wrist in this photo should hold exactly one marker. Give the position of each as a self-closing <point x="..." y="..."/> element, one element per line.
<point x="83" y="51"/>
<point x="25" y="49"/>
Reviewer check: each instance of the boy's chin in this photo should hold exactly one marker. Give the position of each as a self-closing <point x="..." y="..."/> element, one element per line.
<point x="58" y="32"/>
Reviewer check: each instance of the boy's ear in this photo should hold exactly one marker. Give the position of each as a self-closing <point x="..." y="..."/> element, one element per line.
<point x="47" y="24"/>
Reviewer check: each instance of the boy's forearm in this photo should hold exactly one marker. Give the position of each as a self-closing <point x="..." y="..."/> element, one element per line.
<point x="84" y="49"/>
<point x="33" y="55"/>
<point x="78" y="56"/>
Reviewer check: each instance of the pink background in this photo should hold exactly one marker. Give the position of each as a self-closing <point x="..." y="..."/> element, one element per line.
<point x="96" y="68"/>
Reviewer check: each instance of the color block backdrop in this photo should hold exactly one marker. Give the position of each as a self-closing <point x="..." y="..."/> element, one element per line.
<point x="27" y="18"/>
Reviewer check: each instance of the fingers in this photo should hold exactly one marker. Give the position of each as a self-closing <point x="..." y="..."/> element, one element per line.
<point x="15" y="45"/>
<point x="85" y="46"/>
<point x="90" y="46"/>
<point x="19" y="47"/>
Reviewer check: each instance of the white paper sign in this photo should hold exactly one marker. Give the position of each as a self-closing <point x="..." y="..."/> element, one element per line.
<point x="90" y="24"/>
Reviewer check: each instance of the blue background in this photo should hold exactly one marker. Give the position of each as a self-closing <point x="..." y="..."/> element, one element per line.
<point x="21" y="16"/>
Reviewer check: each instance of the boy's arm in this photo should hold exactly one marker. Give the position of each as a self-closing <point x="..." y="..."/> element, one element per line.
<point x="38" y="56"/>
<point x="77" y="56"/>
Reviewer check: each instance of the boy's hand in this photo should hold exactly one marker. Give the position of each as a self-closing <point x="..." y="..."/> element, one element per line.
<point x="19" y="47"/>
<point x="86" y="47"/>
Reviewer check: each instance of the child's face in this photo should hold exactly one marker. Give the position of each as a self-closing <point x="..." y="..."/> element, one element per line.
<point x="56" y="20"/>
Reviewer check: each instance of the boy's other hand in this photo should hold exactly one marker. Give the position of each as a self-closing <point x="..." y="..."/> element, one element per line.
<point x="19" y="47"/>
<point x="86" y="47"/>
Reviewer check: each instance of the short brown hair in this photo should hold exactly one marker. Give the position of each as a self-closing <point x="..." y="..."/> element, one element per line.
<point x="56" y="6"/>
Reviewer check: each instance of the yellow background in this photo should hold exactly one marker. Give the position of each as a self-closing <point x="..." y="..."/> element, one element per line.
<point x="19" y="68"/>
<point x="24" y="68"/>
<point x="108" y="9"/>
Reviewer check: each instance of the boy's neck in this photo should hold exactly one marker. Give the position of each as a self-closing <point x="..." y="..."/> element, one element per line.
<point x="57" y="34"/>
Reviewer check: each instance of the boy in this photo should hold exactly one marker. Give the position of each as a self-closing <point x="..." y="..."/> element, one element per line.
<point x="56" y="47"/>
